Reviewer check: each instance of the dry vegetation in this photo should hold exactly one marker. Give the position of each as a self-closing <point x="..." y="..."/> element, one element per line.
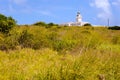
<point x="60" y="53"/>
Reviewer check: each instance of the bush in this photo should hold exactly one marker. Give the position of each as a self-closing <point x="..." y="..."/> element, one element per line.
<point x="51" y="24"/>
<point x="25" y="39"/>
<point x="6" y="23"/>
<point x="40" y="24"/>
<point x="87" y="24"/>
<point x="43" y="24"/>
<point x="114" y="28"/>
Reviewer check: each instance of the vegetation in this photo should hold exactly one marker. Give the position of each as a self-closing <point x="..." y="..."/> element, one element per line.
<point x="40" y="24"/>
<point x="46" y="64"/>
<point x="87" y="24"/>
<point x="6" y="23"/>
<point x="114" y="28"/>
<point x="32" y="52"/>
<point x="43" y="24"/>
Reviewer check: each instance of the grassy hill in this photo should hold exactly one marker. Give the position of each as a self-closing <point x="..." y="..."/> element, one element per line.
<point x="60" y="53"/>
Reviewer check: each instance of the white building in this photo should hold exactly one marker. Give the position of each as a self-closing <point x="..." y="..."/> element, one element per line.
<point x="78" y="22"/>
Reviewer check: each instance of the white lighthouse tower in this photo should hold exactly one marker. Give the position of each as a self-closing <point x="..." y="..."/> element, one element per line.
<point x="78" y="22"/>
<point x="78" y="18"/>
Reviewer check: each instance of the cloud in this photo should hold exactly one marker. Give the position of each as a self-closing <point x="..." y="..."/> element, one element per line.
<point x="116" y="3"/>
<point x="104" y="8"/>
<point x="18" y="2"/>
<point x="16" y="6"/>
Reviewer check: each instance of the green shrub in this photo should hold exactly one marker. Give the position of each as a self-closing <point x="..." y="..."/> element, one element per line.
<point x="62" y="45"/>
<point x="6" y="23"/>
<point x="87" y="24"/>
<point x="25" y="39"/>
<point x="43" y="24"/>
<point x="114" y="28"/>
<point x="51" y="25"/>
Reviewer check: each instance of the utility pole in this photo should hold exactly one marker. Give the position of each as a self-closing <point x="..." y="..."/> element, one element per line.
<point x="108" y="22"/>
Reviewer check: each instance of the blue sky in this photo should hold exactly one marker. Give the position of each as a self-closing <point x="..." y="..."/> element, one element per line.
<point x="96" y="12"/>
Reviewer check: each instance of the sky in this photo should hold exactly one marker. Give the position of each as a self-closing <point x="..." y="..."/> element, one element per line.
<point x="96" y="12"/>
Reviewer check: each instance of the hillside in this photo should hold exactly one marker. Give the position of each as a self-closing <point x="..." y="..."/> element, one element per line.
<point x="32" y="52"/>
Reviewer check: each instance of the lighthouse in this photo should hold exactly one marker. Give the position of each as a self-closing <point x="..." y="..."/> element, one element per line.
<point x="78" y="17"/>
<point x="78" y="21"/>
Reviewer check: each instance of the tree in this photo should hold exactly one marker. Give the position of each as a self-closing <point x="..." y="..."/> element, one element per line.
<point x="6" y="23"/>
<point x="87" y="24"/>
<point x="51" y="24"/>
<point x="43" y="24"/>
<point x="40" y="24"/>
<point x="114" y="28"/>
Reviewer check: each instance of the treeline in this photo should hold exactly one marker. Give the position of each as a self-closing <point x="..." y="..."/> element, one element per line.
<point x="7" y="23"/>
<point x="43" y="24"/>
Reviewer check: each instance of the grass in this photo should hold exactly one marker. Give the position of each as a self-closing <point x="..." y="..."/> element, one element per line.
<point x="46" y="64"/>
<point x="60" y="53"/>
